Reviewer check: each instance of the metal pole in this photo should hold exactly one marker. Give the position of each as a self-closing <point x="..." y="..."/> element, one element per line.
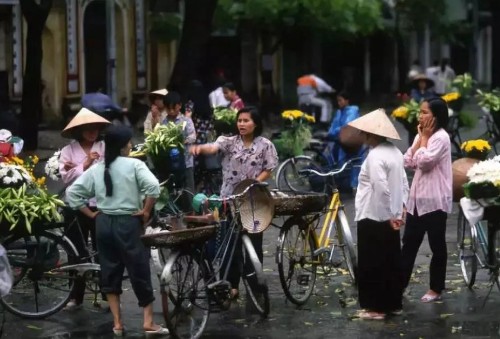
<point x="111" y="52"/>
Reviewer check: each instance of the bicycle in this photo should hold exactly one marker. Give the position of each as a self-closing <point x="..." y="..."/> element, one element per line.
<point x="45" y="265"/>
<point x="300" y="251"/>
<point x="479" y="248"/>
<point x="194" y="284"/>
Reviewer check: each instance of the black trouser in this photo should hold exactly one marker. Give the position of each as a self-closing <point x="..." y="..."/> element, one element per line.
<point x="434" y="224"/>
<point x="79" y="237"/>
<point x="234" y="273"/>
<point x="120" y="246"/>
<point x="379" y="267"/>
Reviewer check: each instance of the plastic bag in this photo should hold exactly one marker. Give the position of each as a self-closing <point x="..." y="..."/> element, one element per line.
<point x="5" y="273"/>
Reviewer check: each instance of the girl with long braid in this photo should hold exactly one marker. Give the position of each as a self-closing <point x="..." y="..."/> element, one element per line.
<point x="118" y="185"/>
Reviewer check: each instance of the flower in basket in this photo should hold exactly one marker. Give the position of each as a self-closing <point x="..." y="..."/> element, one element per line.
<point x="476" y="149"/>
<point x="489" y="100"/>
<point x="297" y="136"/>
<point x="463" y="84"/>
<point x="163" y="138"/>
<point x="225" y="120"/>
<point x="52" y="166"/>
<point x="452" y="96"/>
<point x="484" y="180"/>
<point x="407" y="114"/>
<point x="24" y="199"/>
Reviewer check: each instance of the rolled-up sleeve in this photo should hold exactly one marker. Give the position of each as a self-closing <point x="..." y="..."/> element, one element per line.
<point x="270" y="157"/>
<point x="223" y="144"/>
<point x="148" y="183"/>
<point x="426" y="158"/>
<point x="81" y="190"/>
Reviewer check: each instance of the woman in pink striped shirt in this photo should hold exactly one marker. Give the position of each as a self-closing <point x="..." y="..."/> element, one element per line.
<point x="430" y="195"/>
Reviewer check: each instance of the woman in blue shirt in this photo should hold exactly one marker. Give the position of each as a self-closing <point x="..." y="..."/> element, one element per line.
<point x="345" y="114"/>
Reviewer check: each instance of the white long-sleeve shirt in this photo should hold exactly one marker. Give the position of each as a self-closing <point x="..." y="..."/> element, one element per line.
<point x="382" y="185"/>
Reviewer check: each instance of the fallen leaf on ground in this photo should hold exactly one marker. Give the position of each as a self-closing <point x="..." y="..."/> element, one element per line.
<point x="445" y="315"/>
<point x="33" y="327"/>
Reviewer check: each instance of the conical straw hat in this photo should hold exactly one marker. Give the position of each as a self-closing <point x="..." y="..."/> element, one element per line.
<point x="376" y="122"/>
<point x="83" y="117"/>
<point x="162" y="91"/>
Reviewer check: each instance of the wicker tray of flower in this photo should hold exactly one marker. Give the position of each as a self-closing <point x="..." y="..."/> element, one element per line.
<point x="179" y="237"/>
<point x="25" y="203"/>
<point x="293" y="203"/>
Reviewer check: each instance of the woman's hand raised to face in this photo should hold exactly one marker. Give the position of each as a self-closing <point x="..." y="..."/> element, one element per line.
<point x="427" y="128"/>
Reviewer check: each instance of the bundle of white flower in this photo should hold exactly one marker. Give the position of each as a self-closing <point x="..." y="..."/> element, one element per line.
<point x="13" y="176"/>
<point x="485" y="171"/>
<point x="52" y="166"/>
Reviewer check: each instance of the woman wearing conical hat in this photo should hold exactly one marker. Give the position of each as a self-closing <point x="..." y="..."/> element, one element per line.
<point x="157" y="113"/>
<point x="381" y="194"/>
<point x="81" y="153"/>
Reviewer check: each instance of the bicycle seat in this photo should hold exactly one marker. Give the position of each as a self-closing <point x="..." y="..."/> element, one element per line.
<point x="206" y="219"/>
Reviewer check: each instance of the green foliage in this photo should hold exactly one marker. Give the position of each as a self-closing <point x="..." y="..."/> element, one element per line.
<point x="164" y="138"/>
<point x="225" y="115"/>
<point x="489" y="100"/>
<point x="349" y="16"/>
<point x="166" y="27"/>
<point x="416" y="14"/>
<point x="463" y="84"/>
<point x="467" y="120"/>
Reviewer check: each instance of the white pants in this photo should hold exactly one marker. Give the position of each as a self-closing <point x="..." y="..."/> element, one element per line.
<point x="326" y="110"/>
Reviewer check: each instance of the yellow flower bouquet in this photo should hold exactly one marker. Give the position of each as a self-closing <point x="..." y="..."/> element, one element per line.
<point x="297" y="135"/>
<point x="476" y="149"/>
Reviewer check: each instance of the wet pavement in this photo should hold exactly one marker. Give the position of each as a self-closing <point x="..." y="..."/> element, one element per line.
<point x="329" y="312"/>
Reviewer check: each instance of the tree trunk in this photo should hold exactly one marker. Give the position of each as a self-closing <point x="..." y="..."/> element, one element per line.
<point x="196" y="32"/>
<point x="495" y="77"/>
<point x="31" y="106"/>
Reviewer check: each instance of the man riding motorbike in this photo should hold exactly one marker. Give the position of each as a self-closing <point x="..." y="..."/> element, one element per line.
<point x="309" y="89"/>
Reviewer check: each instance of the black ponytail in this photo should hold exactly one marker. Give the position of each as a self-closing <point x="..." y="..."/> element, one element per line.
<point x="115" y="139"/>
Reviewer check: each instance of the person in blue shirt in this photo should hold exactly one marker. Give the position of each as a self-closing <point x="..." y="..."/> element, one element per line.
<point x="345" y="114"/>
<point x="421" y="88"/>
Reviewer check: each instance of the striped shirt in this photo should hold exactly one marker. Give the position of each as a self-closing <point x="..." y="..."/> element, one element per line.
<point x="431" y="189"/>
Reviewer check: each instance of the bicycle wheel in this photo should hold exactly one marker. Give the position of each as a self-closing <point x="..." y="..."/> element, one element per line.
<point x="347" y="244"/>
<point x="296" y="261"/>
<point x="288" y="177"/>
<point x="467" y="252"/>
<point x="461" y="225"/>
<point x="39" y="290"/>
<point x="253" y="278"/>
<point x="189" y="305"/>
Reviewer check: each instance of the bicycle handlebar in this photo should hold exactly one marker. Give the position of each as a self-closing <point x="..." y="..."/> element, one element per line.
<point x="236" y="196"/>
<point x="331" y="173"/>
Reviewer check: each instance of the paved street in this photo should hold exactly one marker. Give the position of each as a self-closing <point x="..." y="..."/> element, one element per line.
<point x="461" y="314"/>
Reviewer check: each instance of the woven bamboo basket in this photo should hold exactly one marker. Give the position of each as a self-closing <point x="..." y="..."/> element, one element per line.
<point x="290" y="203"/>
<point x="179" y="237"/>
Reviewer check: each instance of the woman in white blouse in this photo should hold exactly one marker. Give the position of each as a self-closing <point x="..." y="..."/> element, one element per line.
<point x="381" y="194"/>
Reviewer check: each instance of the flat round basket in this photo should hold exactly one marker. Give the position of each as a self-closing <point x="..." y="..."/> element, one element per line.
<point x="290" y="203"/>
<point x="180" y="237"/>
<point x="256" y="207"/>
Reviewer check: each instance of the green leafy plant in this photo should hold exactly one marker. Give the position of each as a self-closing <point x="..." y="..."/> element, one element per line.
<point x="225" y="115"/>
<point x="164" y="138"/>
<point x="489" y="100"/>
<point x="463" y="84"/>
<point x="297" y="136"/>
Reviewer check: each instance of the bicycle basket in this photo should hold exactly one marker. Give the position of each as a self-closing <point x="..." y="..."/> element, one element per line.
<point x="256" y="207"/>
<point x="291" y="203"/>
<point x="179" y="237"/>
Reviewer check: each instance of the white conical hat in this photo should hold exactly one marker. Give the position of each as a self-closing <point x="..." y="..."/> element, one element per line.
<point x="162" y="91"/>
<point x="376" y="122"/>
<point x="83" y="117"/>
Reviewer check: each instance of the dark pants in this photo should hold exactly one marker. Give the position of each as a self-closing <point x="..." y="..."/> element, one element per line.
<point x="120" y="247"/>
<point x="434" y="224"/>
<point x="79" y="235"/>
<point x="235" y="267"/>
<point x="379" y="267"/>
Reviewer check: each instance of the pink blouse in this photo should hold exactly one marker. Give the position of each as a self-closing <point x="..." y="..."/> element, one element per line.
<point x="431" y="189"/>
<point x="237" y="103"/>
<point x="75" y="154"/>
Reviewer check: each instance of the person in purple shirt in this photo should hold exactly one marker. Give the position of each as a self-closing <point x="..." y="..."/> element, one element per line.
<point x="345" y="114"/>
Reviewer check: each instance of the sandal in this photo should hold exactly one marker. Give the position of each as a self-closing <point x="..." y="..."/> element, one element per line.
<point x="366" y="315"/>
<point x="160" y="331"/>
<point x="72" y="305"/>
<point x="118" y="332"/>
<point x="428" y="298"/>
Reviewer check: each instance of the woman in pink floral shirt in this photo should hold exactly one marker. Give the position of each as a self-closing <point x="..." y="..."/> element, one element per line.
<point x="430" y="194"/>
<point x="244" y="156"/>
